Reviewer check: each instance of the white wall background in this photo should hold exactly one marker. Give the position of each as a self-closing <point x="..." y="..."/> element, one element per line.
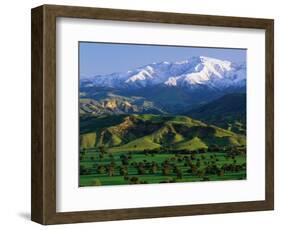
<point x="15" y="113"/>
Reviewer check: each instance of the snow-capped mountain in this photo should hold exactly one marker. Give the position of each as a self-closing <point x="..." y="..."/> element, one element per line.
<point x="191" y="74"/>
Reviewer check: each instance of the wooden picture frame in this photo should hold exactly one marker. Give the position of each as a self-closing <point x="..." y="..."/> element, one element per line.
<point x="43" y="208"/>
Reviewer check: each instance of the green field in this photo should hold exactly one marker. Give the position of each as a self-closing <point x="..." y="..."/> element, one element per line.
<point x="119" y="168"/>
<point x="147" y="148"/>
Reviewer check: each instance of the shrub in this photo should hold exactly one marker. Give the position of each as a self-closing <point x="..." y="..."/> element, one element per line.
<point x="96" y="182"/>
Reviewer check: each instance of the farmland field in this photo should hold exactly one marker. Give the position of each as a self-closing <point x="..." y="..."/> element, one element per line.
<point x="120" y="168"/>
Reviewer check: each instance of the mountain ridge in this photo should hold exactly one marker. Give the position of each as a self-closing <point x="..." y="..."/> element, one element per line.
<point x="139" y="132"/>
<point x="191" y="73"/>
<point x="228" y="111"/>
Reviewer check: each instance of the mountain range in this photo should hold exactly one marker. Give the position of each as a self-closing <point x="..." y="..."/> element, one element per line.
<point x="190" y="104"/>
<point x="192" y="73"/>
<point x="164" y="87"/>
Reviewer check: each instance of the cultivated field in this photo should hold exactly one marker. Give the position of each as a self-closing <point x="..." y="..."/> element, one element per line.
<point x="100" y="166"/>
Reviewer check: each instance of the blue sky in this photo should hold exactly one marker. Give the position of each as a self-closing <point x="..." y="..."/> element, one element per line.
<point x="106" y="58"/>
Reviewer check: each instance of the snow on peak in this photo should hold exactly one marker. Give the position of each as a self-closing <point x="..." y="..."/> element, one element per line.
<point x="172" y="81"/>
<point x="199" y="70"/>
<point x="222" y="64"/>
<point x="208" y="70"/>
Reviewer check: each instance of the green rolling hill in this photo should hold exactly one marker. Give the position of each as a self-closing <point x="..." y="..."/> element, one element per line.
<point x="138" y="132"/>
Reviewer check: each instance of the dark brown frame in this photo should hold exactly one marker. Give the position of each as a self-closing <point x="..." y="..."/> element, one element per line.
<point x="43" y="205"/>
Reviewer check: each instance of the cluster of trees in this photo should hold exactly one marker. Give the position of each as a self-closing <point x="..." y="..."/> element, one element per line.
<point x="182" y="162"/>
<point x="212" y="148"/>
<point x="125" y="158"/>
<point x="145" y="167"/>
<point x="102" y="151"/>
<point x="135" y="180"/>
<point x="152" y="152"/>
<point x="196" y="165"/>
<point x="84" y="171"/>
<point x="231" y="151"/>
<point x="109" y="169"/>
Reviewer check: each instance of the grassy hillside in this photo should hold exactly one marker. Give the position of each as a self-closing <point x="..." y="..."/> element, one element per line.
<point x="139" y="132"/>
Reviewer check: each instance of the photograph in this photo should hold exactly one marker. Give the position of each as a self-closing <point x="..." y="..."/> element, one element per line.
<point x="161" y="114"/>
<point x="140" y="114"/>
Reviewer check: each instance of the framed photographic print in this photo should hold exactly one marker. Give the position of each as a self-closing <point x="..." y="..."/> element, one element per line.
<point x="148" y="114"/>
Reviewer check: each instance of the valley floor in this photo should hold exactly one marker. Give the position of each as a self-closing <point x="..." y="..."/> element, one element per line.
<point x="123" y="168"/>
